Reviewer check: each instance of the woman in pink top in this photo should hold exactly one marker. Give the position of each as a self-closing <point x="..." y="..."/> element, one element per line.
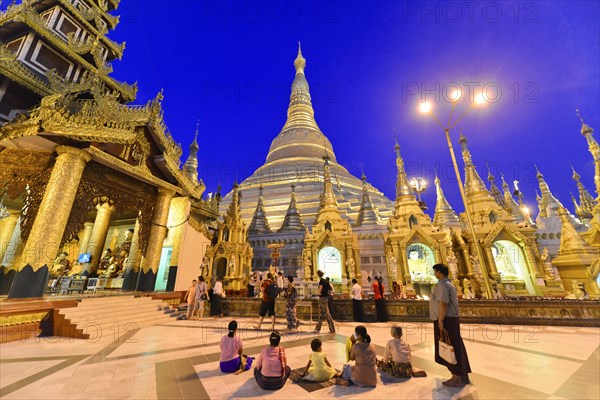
<point x="272" y="370"/>
<point x="232" y="359"/>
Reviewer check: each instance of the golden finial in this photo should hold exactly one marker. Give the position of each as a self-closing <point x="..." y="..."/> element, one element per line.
<point x="300" y="61"/>
<point x="585" y="128"/>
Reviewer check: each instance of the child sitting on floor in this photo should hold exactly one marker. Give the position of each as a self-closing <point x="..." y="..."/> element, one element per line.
<point x="396" y="359"/>
<point x="318" y="368"/>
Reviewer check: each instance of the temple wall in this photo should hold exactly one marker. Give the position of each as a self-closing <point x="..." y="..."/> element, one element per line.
<point x="193" y="246"/>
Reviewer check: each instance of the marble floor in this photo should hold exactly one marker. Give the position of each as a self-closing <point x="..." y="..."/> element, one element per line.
<point x="179" y="360"/>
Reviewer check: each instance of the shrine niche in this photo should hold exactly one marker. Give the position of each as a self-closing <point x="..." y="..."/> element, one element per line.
<point x="229" y="257"/>
<point x="331" y="245"/>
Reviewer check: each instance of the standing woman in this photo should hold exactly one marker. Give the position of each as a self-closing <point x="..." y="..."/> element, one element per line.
<point x="443" y="310"/>
<point x="379" y="300"/>
<point x="291" y="295"/>
<point x="201" y="296"/>
<point x="216" y="304"/>
<point x="357" y="305"/>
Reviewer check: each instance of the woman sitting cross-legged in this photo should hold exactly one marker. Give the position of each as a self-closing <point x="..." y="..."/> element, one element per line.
<point x="364" y="372"/>
<point x="272" y="370"/>
<point x="318" y="368"/>
<point x="396" y="359"/>
<point x="232" y="359"/>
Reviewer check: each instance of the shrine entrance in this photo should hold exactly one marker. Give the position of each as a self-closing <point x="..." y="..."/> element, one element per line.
<point x="421" y="259"/>
<point x="512" y="266"/>
<point x="330" y="262"/>
<point x="220" y="267"/>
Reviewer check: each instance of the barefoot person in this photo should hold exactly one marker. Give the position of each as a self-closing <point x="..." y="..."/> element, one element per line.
<point x="318" y="368"/>
<point x="267" y="306"/>
<point x="364" y="371"/>
<point x="324" y="313"/>
<point x="191" y="300"/>
<point x="397" y="359"/>
<point x="201" y="297"/>
<point x="271" y="370"/>
<point x="443" y="310"/>
<point x="232" y="359"/>
<point x="291" y="295"/>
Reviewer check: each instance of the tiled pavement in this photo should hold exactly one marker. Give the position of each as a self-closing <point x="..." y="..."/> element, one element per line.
<point x="179" y="360"/>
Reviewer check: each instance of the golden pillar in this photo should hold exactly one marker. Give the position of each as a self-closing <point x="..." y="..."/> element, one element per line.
<point x="7" y="227"/>
<point x="50" y="222"/>
<point x="49" y="225"/>
<point x="85" y="237"/>
<point x="104" y="209"/>
<point x="9" y="261"/>
<point x="493" y="268"/>
<point x="158" y="233"/>
<point x="132" y="262"/>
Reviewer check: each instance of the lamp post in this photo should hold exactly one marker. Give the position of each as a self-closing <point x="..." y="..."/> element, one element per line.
<point x="419" y="185"/>
<point x="426" y="108"/>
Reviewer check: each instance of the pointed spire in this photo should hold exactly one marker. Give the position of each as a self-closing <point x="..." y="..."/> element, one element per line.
<point x="191" y="164"/>
<point x="329" y="201"/>
<point x="259" y="223"/>
<point x="300" y="111"/>
<point x="403" y="189"/>
<point x="494" y="191"/>
<point x="510" y="204"/>
<point x="292" y="220"/>
<point x="367" y="214"/>
<point x="571" y="241"/>
<point x="444" y="214"/>
<point x="234" y="210"/>
<point x="594" y="148"/>
<point x="473" y="183"/>
<point x="585" y="210"/>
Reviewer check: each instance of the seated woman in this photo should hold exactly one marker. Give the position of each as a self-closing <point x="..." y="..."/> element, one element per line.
<point x="364" y="372"/>
<point x="396" y="359"/>
<point x="271" y="370"/>
<point x="232" y="359"/>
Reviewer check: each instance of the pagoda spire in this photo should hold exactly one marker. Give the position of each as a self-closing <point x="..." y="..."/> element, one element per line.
<point x="191" y="164"/>
<point x="260" y="223"/>
<point x="300" y="111"/>
<point x="444" y="214"/>
<point x="329" y="201"/>
<point x="571" y="241"/>
<point x="234" y="210"/>
<point x="494" y="191"/>
<point x="586" y="201"/>
<point x="594" y="148"/>
<point x="292" y="220"/>
<point x="473" y="183"/>
<point x="403" y="189"/>
<point x="368" y="214"/>
<point x="510" y="204"/>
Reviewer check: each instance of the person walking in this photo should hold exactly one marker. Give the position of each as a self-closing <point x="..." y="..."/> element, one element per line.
<point x="267" y="289"/>
<point x="191" y="300"/>
<point x="216" y="303"/>
<point x="357" y="305"/>
<point x="330" y="298"/>
<point x="291" y="295"/>
<point x="324" y="313"/>
<point x="201" y="296"/>
<point x="443" y="310"/>
<point x="379" y="300"/>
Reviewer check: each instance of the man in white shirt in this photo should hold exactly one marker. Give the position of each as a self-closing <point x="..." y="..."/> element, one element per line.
<point x="357" y="305"/>
<point x="280" y="280"/>
<point x="216" y="305"/>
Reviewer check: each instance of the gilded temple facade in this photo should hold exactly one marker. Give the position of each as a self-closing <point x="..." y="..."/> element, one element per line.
<point x="398" y="239"/>
<point x="93" y="186"/>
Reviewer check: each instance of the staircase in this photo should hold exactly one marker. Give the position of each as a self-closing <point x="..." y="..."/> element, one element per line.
<point x="115" y="316"/>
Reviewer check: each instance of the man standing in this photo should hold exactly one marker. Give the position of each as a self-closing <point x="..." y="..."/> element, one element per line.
<point x="324" y="314"/>
<point x="280" y="280"/>
<point x="357" y="305"/>
<point x="268" y="301"/>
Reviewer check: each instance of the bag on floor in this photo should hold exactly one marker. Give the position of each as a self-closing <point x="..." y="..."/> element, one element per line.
<point x="446" y="350"/>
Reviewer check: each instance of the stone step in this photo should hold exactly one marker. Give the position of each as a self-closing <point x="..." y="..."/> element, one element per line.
<point x="77" y="312"/>
<point x="119" y="327"/>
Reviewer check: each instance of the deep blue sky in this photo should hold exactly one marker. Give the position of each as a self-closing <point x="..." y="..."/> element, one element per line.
<point x="229" y="64"/>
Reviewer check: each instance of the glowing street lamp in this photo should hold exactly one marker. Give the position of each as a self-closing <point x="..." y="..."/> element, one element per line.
<point x="427" y="108"/>
<point x="419" y="185"/>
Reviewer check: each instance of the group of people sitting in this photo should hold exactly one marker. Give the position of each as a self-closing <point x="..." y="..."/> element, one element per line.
<point x="272" y="371"/>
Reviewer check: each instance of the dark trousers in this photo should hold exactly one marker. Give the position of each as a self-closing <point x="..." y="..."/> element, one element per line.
<point x="358" y="310"/>
<point x="452" y="326"/>
<point x="381" y="310"/>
